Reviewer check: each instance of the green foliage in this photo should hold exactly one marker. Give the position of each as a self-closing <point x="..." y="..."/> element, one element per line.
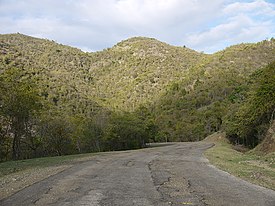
<point x="125" y="131"/>
<point x="19" y="105"/>
<point x="249" y="122"/>
<point x="92" y="140"/>
<point x="56" y="136"/>
<point x="5" y="141"/>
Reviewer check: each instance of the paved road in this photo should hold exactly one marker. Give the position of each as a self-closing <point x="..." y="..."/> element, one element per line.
<point x="175" y="175"/>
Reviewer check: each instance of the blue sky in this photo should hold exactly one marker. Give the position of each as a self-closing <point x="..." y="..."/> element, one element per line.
<point x="93" y="25"/>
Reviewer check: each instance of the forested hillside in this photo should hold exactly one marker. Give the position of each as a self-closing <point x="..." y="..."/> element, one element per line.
<point x="58" y="100"/>
<point x="195" y="107"/>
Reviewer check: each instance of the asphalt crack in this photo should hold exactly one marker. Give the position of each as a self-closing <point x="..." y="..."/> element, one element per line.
<point x="172" y="186"/>
<point x="159" y="179"/>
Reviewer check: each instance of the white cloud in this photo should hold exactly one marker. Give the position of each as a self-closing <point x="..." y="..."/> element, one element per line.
<point x="238" y="29"/>
<point x="242" y="22"/>
<point x="98" y="24"/>
<point x="257" y="7"/>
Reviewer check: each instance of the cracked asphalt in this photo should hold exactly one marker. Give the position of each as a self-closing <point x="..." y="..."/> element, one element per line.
<point x="175" y="174"/>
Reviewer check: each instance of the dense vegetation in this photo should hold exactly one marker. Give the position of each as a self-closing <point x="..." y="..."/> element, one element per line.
<point x="31" y="126"/>
<point x="58" y="100"/>
<point x="253" y="108"/>
<point x="198" y="105"/>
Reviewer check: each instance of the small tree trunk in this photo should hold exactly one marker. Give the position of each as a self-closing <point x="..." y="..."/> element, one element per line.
<point x="16" y="147"/>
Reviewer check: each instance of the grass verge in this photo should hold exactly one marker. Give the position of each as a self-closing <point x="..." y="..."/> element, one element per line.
<point x="249" y="166"/>
<point x="10" y="167"/>
<point x="16" y="175"/>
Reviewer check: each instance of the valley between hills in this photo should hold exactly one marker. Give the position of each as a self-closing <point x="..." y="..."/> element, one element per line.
<point x="140" y="90"/>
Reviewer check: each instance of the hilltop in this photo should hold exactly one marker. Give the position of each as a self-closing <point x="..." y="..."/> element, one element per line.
<point x="137" y="71"/>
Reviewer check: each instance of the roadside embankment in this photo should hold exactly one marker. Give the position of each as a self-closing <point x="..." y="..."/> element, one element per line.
<point x="250" y="166"/>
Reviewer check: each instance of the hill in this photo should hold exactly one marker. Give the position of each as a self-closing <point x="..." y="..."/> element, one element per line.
<point x="133" y="72"/>
<point x="139" y="90"/>
<point x="61" y="72"/>
<point x="137" y="71"/>
<point x="197" y="106"/>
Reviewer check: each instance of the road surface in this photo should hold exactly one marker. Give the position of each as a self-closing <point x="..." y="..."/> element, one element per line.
<point x="176" y="174"/>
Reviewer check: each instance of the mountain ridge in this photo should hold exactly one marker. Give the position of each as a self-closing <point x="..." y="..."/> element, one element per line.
<point x="138" y="69"/>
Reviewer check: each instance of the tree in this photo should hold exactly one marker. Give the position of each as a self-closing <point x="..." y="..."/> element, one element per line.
<point x="19" y="104"/>
<point x="5" y="141"/>
<point x="125" y="131"/>
<point x="56" y="134"/>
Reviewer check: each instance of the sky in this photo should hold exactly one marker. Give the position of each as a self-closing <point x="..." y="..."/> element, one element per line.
<point x="93" y="25"/>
